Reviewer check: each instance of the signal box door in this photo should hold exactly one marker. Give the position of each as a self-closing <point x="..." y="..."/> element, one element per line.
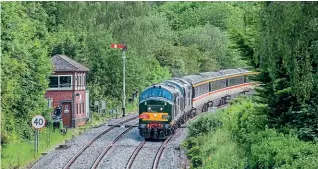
<point x="67" y="114"/>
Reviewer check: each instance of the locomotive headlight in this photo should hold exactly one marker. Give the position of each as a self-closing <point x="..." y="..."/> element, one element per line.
<point x="149" y="108"/>
<point x="161" y="109"/>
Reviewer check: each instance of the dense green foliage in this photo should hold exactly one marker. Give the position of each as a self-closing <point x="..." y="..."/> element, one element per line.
<point x="271" y="130"/>
<point x="238" y="137"/>
<point x="25" y="67"/>
<point x="288" y="58"/>
<point x="164" y="40"/>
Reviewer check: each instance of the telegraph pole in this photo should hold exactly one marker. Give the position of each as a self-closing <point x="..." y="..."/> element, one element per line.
<point x="124" y="49"/>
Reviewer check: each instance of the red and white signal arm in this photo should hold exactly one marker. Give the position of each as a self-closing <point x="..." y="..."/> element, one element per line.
<point x="38" y="121"/>
<point x="120" y="46"/>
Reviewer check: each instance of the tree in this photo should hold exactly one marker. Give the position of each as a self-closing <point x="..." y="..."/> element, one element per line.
<point x="288" y="60"/>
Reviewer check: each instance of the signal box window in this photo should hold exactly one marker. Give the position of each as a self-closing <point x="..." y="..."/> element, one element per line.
<point x="54" y="82"/>
<point x="60" y="82"/>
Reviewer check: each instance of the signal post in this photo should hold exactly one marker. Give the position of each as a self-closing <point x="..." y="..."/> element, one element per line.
<point x="122" y="46"/>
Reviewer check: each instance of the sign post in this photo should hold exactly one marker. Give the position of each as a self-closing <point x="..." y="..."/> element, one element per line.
<point x="38" y="122"/>
<point x="122" y="46"/>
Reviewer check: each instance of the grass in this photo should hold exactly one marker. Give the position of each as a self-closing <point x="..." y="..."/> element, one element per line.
<point x="219" y="150"/>
<point x="20" y="154"/>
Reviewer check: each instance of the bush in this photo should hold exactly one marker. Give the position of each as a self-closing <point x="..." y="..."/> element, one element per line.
<point x="215" y="150"/>
<point x="271" y="149"/>
<point x="238" y="137"/>
<point x="204" y="124"/>
<point x="244" y="117"/>
<point x="220" y="150"/>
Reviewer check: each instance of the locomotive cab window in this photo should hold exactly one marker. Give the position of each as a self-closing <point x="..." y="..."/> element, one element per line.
<point x="156" y="92"/>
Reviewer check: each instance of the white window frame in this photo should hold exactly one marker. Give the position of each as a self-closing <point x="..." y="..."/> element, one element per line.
<point x="58" y="83"/>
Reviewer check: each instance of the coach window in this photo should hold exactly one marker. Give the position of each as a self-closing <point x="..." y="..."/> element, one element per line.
<point x="203" y="89"/>
<point x="232" y="82"/>
<point x="197" y="92"/>
<point x="247" y="80"/>
<point x="212" y="86"/>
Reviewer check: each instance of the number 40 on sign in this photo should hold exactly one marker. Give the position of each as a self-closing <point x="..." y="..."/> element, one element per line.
<point x="38" y="122"/>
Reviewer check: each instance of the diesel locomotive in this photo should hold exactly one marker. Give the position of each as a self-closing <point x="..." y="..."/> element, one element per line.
<point x="166" y="106"/>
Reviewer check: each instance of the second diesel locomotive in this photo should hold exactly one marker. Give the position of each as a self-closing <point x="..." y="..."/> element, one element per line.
<point x="164" y="107"/>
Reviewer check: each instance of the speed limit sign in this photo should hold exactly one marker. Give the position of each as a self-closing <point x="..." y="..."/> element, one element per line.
<point x="38" y="122"/>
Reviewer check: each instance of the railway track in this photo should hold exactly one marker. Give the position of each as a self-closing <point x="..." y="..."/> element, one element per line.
<point x="161" y="149"/>
<point x="109" y="146"/>
<point x="134" y="155"/>
<point x="159" y="153"/>
<point x="72" y="160"/>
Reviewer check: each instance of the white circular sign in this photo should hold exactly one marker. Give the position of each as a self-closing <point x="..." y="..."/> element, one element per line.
<point x="38" y="121"/>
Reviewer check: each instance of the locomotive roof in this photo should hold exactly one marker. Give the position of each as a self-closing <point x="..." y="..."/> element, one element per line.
<point x="170" y="87"/>
<point x="178" y="80"/>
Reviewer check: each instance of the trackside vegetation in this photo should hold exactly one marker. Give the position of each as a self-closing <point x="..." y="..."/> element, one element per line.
<point x="276" y="128"/>
<point x="238" y="137"/>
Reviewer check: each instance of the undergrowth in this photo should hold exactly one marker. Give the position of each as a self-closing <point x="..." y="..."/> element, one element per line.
<point x="238" y="137"/>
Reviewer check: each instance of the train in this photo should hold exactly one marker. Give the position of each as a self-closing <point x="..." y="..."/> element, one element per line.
<point x="164" y="107"/>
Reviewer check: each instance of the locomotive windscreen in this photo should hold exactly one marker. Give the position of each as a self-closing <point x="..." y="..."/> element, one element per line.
<point x="156" y="92"/>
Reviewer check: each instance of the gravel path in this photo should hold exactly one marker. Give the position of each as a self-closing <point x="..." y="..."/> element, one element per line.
<point x="59" y="157"/>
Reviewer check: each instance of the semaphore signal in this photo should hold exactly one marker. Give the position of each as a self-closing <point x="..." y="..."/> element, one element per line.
<point x="124" y="49"/>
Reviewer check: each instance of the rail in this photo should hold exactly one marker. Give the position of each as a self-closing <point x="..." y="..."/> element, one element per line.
<point x="101" y="155"/>
<point x="72" y="160"/>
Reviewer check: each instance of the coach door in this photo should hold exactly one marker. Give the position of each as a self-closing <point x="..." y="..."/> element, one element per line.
<point x="67" y="114"/>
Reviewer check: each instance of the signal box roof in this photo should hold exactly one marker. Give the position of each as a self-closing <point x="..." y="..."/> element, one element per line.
<point x="63" y="63"/>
